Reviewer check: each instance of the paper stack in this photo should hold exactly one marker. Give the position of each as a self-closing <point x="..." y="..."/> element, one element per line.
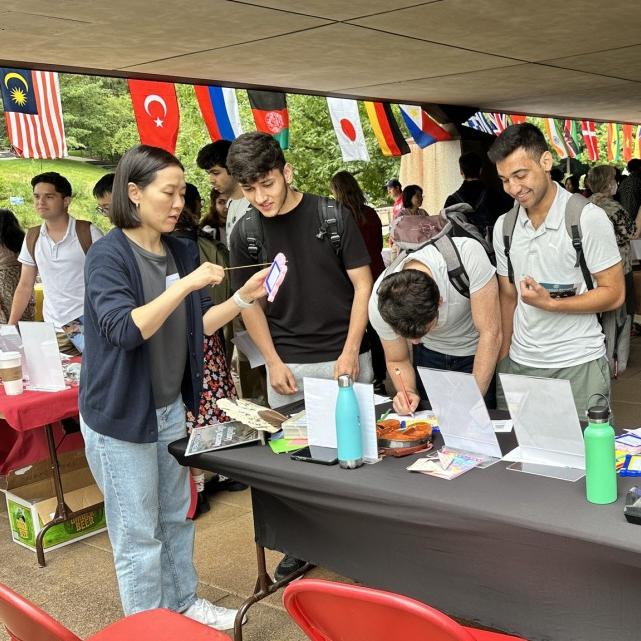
<point x="295" y="427"/>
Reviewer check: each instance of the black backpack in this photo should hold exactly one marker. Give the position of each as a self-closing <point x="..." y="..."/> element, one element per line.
<point x="573" y="210"/>
<point x="481" y="216"/>
<point x="330" y="227"/>
<point x="457" y="226"/>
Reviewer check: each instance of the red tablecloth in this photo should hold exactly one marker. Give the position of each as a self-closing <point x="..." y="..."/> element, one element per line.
<point x="31" y="410"/>
<point x="21" y="442"/>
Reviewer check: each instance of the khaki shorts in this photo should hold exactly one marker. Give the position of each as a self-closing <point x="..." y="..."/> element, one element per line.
<point x="586" y="380"/>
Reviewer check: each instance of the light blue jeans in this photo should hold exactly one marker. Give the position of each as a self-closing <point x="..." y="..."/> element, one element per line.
<point x="147" y="496"/>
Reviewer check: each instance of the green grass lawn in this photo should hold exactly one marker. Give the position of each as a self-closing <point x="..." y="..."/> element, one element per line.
<point x="15" y="180"/>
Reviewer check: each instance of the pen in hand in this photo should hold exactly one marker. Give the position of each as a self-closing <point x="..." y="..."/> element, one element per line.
<point x="397" y="371"/>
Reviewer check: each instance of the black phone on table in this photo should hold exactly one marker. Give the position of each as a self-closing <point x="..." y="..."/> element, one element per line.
<point x="316" y="454"/>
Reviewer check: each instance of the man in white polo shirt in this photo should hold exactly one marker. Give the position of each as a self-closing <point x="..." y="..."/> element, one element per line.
<point x="56" y="250"/>
<point x="549" y="316"/>
<point x="417" y="302"/>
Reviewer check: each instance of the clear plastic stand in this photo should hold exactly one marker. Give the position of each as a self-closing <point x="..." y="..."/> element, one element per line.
<point x="462" y="415"/>
<point x="551" y="471"/>
<point x="546" y="426"/>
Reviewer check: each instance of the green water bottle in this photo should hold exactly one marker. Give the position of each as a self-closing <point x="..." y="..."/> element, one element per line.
<point x="600" y="466"/>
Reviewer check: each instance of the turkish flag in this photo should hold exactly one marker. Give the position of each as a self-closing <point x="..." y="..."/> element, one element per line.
<point x="156" y="110"/>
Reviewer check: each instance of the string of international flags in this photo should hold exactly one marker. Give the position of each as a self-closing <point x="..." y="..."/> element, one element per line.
<point x="567" y="137"/>
<point x="35" y="126"/>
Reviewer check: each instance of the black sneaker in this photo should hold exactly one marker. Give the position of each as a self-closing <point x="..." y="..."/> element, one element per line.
<point x="202" y="505"/>
<point x="232" y="486"/>
<point x="287" y="565"/>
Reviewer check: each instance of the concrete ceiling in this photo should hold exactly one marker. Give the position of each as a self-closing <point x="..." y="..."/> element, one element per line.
<point x="578" y="59"/>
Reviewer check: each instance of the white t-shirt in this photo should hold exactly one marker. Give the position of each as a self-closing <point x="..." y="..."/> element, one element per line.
<point x="235" y="211"/>
<point x="455" y="333"/>
<point x="544" y="339"/>
<point x="61" y="268"/>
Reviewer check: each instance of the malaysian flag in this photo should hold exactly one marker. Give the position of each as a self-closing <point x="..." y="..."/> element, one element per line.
<point x="33" y="113"/>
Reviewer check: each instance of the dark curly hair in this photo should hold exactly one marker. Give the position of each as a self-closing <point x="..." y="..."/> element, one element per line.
<point x="253" y="155"/>
<point x="11" y="234"/>
<point x="408" y="302"/>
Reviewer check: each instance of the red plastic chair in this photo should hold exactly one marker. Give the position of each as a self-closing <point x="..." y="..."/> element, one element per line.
<point x="25" y="621"/>
<point x="328" y="611"/>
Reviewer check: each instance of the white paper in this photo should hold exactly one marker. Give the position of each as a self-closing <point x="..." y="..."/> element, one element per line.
<point x="42" y="356"/>
<point x="636" y="431"/>
<point x="502" y="426"/>
<point x="246" y="345"/>
<point x="320" y="405"/>
<point x="11" y="341"/>
<point x="462" y="415"/>
<point x="546" y="424"/>
<point x="423" y="415"/>
<point x="379" y="400"/>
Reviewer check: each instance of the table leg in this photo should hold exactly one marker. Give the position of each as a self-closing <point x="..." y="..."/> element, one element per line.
<point x="265" y="586"/>
<point x="63" y="513"/>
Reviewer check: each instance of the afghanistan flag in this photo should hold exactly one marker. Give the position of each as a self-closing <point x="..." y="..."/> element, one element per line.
<point x="389" y="136"/>
<point x="270" y="114"/>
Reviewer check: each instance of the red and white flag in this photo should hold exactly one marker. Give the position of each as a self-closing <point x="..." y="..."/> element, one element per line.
<point x="348" y="129"/>
<point x="33" y="113"/>
<point x="589" y="137"/>
<point x="156" y="110"/>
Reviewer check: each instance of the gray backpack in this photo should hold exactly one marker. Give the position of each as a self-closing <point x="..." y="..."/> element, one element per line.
<point x="573" y="210"/>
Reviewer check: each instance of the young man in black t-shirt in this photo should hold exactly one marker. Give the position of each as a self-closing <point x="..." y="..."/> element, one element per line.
<point x="316" y="323"/>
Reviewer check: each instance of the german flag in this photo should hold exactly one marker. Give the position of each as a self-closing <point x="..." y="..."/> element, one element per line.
<point x="389" y="136"/>
<point x="270" y="114"/>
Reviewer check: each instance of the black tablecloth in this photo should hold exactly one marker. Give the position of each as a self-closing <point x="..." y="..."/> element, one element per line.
<point x="521" y="553"/>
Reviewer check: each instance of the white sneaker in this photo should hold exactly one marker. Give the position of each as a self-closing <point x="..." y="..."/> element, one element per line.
<point x="215" y="616"/>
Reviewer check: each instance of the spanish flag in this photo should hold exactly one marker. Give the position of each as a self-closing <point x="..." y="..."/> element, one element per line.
<point x="628" y="143"/>
<point x="389" y="136"/>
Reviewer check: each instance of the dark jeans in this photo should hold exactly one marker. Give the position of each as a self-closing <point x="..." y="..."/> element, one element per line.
<point x="424" y="357"/>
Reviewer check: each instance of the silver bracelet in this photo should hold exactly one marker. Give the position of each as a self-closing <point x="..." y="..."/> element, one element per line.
<point x="240" y="302"/>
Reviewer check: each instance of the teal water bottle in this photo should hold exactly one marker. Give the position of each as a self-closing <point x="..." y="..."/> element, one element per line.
<point x="600" y="466"/>
<point x="348" y="425"/>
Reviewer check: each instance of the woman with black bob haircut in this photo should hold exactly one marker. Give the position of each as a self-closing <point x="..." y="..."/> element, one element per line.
<point x="145" y="314"/>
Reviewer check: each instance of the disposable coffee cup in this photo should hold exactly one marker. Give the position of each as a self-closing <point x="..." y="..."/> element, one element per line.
<point x="11" y="372"/>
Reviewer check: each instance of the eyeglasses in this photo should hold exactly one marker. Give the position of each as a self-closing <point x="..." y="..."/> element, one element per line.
<point x="102" y="210"/>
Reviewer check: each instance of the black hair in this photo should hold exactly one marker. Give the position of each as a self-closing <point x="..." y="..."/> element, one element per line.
<point x="408" y="194"/>
<point x="634" y="165"/>
<point x="253" y="155"/>
<point x="348" y="192"/>
<point x="470" y="164"/>
<point x="574" y="181"/>
<point x="192" y="197"/>
<point x="139" y="165"/>
<point x="104" y="186"/>
<point x="62" y="185"/>
<point x="408" y="302"/>
<point x="215" y="153"/>
<point x="11" y="234"/>
<point x="556" y="174"/>
<point x="524" y="135"/>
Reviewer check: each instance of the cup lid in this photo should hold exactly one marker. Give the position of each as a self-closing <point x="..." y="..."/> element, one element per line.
<point x="9" y="356"/>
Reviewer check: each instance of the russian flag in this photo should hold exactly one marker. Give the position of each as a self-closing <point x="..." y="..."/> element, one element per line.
<point x="422" y="128"/>
<point x="219" y="108"/>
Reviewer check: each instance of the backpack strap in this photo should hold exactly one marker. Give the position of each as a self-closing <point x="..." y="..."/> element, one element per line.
<point x="330" y="223"/>
<point x="509" y="223"/>
<point x="455" y="270"/>
<point x="31" y="238"/>
<point x="83" y="231"/>
<point x="251" y="229"/>
<point x="573" y="210"/>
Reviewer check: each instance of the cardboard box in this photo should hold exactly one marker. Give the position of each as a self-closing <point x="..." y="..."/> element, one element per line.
<point x="31" y="503"/>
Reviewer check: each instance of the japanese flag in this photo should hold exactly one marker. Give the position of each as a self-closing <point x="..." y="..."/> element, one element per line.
<point x="348" y="129"/>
